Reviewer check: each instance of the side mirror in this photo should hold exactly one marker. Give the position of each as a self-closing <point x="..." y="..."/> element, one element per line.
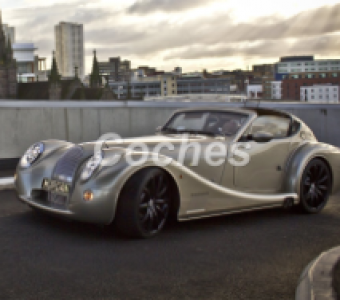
<point x="159" y="129"/>
<point x="262" y="137"/>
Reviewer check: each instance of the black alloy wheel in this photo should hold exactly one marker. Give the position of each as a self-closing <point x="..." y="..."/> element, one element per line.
<point x="144" y="205"/>
<point x="316" y="185"/>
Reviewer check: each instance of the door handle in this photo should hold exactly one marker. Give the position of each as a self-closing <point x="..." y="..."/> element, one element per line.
<point x="243" y="146"/>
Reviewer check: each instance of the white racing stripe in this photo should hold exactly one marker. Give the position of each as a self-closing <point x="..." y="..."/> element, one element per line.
<point x="6" y="183"/>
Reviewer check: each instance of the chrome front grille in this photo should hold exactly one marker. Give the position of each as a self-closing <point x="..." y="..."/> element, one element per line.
<point x="67" y="165"/>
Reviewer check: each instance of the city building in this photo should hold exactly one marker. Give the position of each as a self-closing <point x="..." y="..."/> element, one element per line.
<point x="57" y="88"/>
<point x="254" y="90"/>
<point x="149" y="71"/>
<point x="265" y="69"/>
<point x="321" y="93"/>
<point x="304" y="64"/>
<point x="178" y="71"/>
<point x="199" y="85"/>
<point x="29" y="66"/>
<point x="69" y="41"/>
<point x="8" y="69"/>
<point x="9" y="32"/>
<point x="292" y="84"/>
<point x="267" y="87"/>
<point x="276" y="90"/>
<point x="115" y="69"/>
<point x="169" y="84"/>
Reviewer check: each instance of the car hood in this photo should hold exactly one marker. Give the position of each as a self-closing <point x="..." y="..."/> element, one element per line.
<point x="153" y="140"/>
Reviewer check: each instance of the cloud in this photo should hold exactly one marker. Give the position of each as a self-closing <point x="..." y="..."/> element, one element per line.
<point x="176" y="39"/>
<point x="203" y="33"/>
<point x="144" y="7"/>
<point x="263" y="49"/>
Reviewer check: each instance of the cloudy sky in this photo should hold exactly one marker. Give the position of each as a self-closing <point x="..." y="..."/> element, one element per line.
<point x="194" y="34"/>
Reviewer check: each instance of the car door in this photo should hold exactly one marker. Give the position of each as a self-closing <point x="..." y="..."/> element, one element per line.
<point x="265" y="170"/>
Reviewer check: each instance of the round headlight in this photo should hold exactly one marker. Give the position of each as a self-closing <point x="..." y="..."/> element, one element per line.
<point x="91" y="165"/>
<point x="31" y="155"/>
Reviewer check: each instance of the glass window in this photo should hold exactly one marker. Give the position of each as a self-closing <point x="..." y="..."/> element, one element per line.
<point x="226" y="123"/>
<point x="276" y="125"/>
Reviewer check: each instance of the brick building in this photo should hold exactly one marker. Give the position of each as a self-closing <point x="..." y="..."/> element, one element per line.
<point x="292" y="84"/>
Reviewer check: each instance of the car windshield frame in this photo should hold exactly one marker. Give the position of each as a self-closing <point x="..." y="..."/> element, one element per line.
<point x="220" y="115"/>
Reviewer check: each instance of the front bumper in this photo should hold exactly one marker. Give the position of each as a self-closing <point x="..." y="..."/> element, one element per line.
<point x="100" y="210"/>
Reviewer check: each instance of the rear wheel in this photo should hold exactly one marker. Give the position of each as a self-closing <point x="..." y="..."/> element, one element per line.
<point x="316" y="185"/>
<point x="144" y="204"/>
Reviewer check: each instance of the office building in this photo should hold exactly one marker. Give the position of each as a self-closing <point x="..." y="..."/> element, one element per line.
<point x="171" y="85"/>
<point x="254" y="88"/>
<point x="115" y="69"/>
<point x="304" y="64"/>
<point x="292" y="84"/>
<point x="265" y="69"/>
<point x="69" y="42"/>
<point x="29" y="66"/>
<point x="276" y="90"/>
<point x="321" y="93"/>
<point x="199" y="85"/>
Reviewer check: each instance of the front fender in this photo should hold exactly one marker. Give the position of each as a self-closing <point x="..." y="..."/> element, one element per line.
<point x="50" y="147"/>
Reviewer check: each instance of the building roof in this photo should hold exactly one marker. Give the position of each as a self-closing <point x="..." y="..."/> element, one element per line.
<point x="23" y="46"/>
<point x="296" y="58"/>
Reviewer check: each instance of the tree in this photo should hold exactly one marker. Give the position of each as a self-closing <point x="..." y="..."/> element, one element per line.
<point x="95" y="78"/>
<point x="54" y="77"/>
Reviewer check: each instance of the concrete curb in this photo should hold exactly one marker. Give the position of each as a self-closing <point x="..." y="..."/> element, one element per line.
<point x="6" y="183"/>
<point x="316" y="281"/>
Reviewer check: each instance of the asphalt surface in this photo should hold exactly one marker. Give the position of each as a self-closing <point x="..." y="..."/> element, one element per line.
<point x="336" y="279"/>
<point x="257" y="255"/>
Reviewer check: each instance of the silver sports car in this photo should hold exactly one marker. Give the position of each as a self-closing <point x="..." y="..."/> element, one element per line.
<point x="201" y="163"/>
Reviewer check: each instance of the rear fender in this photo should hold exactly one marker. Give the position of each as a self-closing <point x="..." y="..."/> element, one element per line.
<point x="302" y="156"/>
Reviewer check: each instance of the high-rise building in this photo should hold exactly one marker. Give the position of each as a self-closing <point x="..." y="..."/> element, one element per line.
<point x="9" y="32"/>
<point x="69" y="39"/>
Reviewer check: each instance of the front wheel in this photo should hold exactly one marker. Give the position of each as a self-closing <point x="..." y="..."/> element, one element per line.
<point x="144" y="204"/>
<point x="315" y="187"/>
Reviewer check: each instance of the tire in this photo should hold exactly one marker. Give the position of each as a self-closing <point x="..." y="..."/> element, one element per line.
<point x="144" y="204"/>
<point x="315" y="186"/>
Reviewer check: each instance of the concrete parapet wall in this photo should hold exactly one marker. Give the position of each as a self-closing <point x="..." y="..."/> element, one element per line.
<point x="24" y="123"/>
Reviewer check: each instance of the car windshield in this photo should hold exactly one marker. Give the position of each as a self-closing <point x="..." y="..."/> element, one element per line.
<point x="203" y="122"/>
